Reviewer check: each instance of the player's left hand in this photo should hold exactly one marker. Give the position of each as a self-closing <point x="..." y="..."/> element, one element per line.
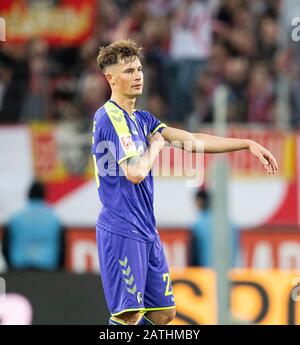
<point x="265" y="156"/>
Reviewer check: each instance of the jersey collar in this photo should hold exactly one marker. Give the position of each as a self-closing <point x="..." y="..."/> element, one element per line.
<point x="117" y="105"/>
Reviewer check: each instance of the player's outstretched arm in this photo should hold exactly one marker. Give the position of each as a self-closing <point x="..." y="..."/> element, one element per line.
<point x="199" y="142"/>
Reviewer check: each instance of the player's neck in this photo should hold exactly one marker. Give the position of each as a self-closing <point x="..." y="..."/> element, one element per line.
<point x="125" y="103"/>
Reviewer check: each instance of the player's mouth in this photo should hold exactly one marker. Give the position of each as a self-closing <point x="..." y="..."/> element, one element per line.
<point x="138" y="86"/>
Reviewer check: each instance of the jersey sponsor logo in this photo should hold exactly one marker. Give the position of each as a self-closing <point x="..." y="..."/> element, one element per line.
<point x="127" y="142"/>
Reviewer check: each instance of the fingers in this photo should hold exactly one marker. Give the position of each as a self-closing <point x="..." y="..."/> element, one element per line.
<point x="267" y="159"/>
<point x="265" y="163"/>
<point x="273" y="161"/>
<point x="269" y="162"/>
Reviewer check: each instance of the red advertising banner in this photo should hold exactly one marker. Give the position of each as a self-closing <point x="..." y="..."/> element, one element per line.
<point x="271" y="247"/>
<point x="82" y="256"/>
<point x="60" y="22"/>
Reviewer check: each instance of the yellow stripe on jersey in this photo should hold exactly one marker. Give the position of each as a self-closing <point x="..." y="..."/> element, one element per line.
<point x="126" y="310"/>
<point x="113" y="318"/>
<point x="118" y="120"/>
<point x="96" y="172"/>
<point x="161" y="125"/>
<point x="144" y="310"/>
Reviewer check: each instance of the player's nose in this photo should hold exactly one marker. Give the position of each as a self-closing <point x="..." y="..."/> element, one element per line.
<point x="138" y="75"/>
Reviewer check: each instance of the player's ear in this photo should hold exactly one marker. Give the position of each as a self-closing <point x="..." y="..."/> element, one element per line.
<point x="110" y="78"/>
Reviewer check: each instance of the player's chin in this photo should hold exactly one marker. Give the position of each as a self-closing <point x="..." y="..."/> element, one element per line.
<point x="137" y="92"/>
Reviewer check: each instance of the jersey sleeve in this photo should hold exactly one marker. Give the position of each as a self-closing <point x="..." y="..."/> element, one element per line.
<point x="154" y="124"/>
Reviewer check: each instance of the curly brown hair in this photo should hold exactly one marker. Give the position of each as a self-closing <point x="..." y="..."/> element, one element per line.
<point x="119" y="50"/>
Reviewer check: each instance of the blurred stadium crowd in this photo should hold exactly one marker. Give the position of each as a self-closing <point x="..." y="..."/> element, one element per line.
<point x="190" y="47"/>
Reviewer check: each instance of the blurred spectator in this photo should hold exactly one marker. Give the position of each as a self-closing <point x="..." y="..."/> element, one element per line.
<point x="35" y="105"/>
<point x="33" y="235"/>
<point x="203" y="111"/>
<point x="220" y="54"/>
<point x="260" y="95"/>
<point x="267" y="39"/>
<point x="109" y="19"/>
<point x="156" y="105"/>
<point x="72" y="131"/>
<point x="131" y="24"/>
<point x="14" y="76"/>
<point x="6" y="71"/>
<point x="93" y="91"/>
<point x="236" y="73"/>
<point x="202" y="241"/>
<point x="161" y="8"/>
<point x="225" y="13"/>
<point x="190" y="44"/>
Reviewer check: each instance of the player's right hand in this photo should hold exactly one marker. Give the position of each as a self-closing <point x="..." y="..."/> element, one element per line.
<point x="157" y="139"/>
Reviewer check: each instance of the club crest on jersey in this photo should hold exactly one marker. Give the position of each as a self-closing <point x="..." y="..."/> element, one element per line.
<point x="126" y="142"/>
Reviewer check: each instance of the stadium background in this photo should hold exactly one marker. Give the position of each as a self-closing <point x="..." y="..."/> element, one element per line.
<point x="50" y="87"/>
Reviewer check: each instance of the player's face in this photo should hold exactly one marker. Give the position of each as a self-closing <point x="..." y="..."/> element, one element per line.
<point x="127" y="78"/>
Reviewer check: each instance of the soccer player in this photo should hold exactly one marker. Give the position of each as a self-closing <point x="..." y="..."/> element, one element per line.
<point x="126" y="141"/>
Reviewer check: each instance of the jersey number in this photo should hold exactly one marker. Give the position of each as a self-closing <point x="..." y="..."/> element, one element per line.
<point x="166" y="277"/>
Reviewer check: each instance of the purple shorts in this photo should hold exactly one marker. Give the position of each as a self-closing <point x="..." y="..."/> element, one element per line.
<point x="135" y="275"/>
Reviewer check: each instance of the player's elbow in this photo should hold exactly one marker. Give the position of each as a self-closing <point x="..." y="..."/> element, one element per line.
<point x="136" y="176"/>
<point x="133" y="172"/>
<point x="135" y="180"/>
